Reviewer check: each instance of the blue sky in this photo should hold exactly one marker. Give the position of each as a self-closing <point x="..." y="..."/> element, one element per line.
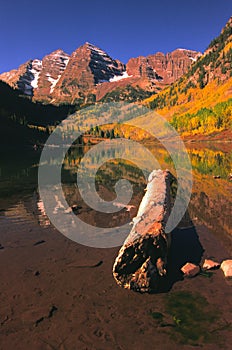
<point x="31" y="29"/>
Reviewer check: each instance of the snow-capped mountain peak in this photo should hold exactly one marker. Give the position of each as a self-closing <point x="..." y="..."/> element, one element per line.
<point x="89" y="70"/>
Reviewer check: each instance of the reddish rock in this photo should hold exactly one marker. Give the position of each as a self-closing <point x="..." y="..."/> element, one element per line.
<point x="90" y="72"/>
<point x="141" y="67"/>
<point x="23" y="77"/>
<point x="60" y="78"/>
<point x="76" y="79"/>
<point x="53" y="66"/>
<point x="190" y="270"/>
<point x="166" y="68"/>
<point x="210" y="264"/>
<point x="226" y="267"/>
<point x="88" y="66"/>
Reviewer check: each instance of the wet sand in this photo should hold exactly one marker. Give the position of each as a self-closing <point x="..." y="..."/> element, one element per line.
<point x="52" y="296"/>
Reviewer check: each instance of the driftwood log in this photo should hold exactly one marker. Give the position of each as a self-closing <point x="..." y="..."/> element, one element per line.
<point x="142" y="260"/>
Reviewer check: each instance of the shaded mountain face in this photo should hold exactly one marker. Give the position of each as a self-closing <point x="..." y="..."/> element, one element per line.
<point x="38" y="78"/>
<point x="88" y="67"/>
<point x="25" y="77"/>
<point x="89" y="73"/>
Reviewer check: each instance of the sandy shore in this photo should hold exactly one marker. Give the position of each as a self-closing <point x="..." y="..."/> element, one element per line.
<point x="51" y="297"/>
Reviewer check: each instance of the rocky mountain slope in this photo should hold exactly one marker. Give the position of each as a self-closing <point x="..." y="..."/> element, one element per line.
<point x="214" y="67"/>
<point x="166" y="68"/>
<point x="200" y="102"/>
<point x="89" y="73"/>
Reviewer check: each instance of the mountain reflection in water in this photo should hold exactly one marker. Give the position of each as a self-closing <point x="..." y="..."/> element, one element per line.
<point x="210" y="201"/>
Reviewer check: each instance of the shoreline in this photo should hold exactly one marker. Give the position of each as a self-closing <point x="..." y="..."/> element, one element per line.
<point x="45" y="300"/>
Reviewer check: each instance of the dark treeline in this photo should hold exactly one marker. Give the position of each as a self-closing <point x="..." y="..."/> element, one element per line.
<point x="22" y="108"/>
<point x="17" y="111"/>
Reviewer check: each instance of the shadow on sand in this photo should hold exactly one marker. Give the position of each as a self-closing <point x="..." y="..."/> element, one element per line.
<point x="185" y="247"/>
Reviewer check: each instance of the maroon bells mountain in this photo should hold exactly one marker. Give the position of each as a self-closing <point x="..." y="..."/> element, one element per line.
<point x="89" y="73"/>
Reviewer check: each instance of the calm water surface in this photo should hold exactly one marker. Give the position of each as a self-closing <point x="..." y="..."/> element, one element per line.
<point x="210" y="204"/>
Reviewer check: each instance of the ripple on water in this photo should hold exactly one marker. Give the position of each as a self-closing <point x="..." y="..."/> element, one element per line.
<point x="24" y="212"/>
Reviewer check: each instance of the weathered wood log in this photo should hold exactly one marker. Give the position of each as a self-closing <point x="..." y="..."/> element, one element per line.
<point x="142" y="260"/>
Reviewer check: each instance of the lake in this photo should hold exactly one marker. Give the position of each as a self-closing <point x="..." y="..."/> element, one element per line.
<point x="57" y="293"/>
<point x="210" y="200"/>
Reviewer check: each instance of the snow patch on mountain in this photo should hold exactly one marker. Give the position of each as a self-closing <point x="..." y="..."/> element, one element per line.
<point x="125" y="75"/>
<point x="53" y="81"/>
<point x="36" y="68"/>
